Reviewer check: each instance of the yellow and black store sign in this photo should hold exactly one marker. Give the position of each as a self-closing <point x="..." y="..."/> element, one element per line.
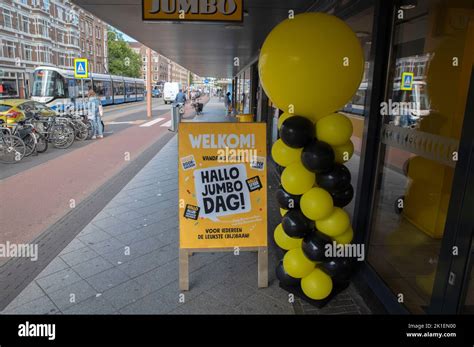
<point x="193" y="10"/>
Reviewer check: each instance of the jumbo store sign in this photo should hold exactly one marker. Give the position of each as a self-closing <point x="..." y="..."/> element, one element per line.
<point x="193" y="10"/>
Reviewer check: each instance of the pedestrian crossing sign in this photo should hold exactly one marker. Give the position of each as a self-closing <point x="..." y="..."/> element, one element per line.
<point x="80" y="68"/>
<point x="407" y="81"/>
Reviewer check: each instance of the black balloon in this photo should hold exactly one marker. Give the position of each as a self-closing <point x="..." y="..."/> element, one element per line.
<point x="314" y="245"/>
<point x="286" y="200"/>
<point x="284" y="277"/>
<point x="339" y="178"/>
<point x="297" y="131"/>
<point x="339" y="269"/>
<point x="318" y="156"/>
<point x="279" y="168"/>
<point x="343" y="197"/>
<point x="295" y="224"/>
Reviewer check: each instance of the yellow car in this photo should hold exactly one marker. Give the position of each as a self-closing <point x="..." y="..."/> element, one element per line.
<point x="15" y="110"/>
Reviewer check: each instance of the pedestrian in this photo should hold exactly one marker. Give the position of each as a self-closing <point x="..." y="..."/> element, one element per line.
<point x="180" y="97"/>
<point x="93" y="107"/>
<point x="228" y="103"/>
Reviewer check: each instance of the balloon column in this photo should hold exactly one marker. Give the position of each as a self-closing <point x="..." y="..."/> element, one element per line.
<point x="310" y="66"/>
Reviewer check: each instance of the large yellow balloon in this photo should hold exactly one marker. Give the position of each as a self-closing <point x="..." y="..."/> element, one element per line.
<point x="316" y="204"/>
<point x="284" y="241"/>
<point x="345" y="237"/>
<point x="335" y="224"/>
<point x="285" y="155"/>
<point x="314" y="62"/>
<point x="343" y="152"/>
<point x="296" y="264"/>
<point x="296" y="179"/>
<point x="284" y="116"/>
<point x="317" y="285"/>
<point x="335" y="129"/>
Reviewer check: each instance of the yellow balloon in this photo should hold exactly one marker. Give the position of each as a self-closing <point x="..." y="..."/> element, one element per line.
<point x="284" y="241"/>
<point x="345" y="237"/>
<point x="284" y="116"/>
<point x="285" y="155"/>
<point x="317" y="285"/>
<point x="317" y="78"/>
<point x="335" y="224"/>
<point x="343" y="152"/>
<point x="316" y="204"/>
<point x="296" y="179"/>
<point x="296" y="264"/>
<point x="335" y="129"/>
<point x="283" y="211"/>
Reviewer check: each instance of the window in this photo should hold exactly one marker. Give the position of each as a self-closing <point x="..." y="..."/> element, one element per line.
<point x="97" y="32"/>
<point x="28" y="52"/>
<point x="42" y="28"/>
<point x="60" y="13"/>
<point x="46" y="5"/>
<point x="25" y="24"/>
<point x="62" y="59"/>
<point x="60" y="37"/>
<point x="9" y="49"/>
<point x="8" y="19"/>
<point x="24" y="2"/>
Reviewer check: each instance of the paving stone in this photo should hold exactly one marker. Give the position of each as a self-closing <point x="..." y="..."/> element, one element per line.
<point x="107" y="279"/>
<point x="42" y="305"/>
<point x="92" y="267"/>
<point x="106" y="246"/>
<point x="154" y="303"/>
<point x="124" y="294"/>
<point x="204" y="304"/>
<point x="88" y="229"/>
<point x="159" y="277"/>
<point x="74" y="245"/>
<point x="263" y="304"/>
<point x="57" y="264"/>
<point x="81" y="290"/>
<point x="79" y="256"/>
<point x="119" y="229"/>
<point x="230" y="293"/>
<point x="30" y="293"/>
<point x="92" y="305"/>
<point x="94" y="237"/>
<point x="58" y="280"/>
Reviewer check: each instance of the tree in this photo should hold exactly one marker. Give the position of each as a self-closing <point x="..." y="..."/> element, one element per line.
<point x="123" y="61"/>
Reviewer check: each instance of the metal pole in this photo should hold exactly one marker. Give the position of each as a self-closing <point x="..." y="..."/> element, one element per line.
<point x="83" y="102"/>
<point x="148" y="83"/>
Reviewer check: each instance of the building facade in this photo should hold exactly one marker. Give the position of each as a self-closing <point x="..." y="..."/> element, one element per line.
<point x="163" y="69"/>
<point x="46" y="33"/>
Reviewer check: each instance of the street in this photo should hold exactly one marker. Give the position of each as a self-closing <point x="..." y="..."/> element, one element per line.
<point x="42" y="189"/>
<point x="116" y="119"/>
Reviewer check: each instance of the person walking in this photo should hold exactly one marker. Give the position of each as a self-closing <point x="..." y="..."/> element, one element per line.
<point x="93" y="107"/>
<point x="228" y="103"/>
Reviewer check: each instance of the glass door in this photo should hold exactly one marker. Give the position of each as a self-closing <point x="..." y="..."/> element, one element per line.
<point x="423" y="117"/>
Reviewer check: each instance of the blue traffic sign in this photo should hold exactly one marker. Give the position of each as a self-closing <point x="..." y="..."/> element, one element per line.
<point x="80" y="68"/>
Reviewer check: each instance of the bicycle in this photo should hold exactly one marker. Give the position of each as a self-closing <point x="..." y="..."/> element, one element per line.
<point x="12" y="148"/>
<point x="57" y="130"/>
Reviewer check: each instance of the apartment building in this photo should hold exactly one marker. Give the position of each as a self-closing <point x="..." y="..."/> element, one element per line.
<point x="163" y="69"/>
<point x="159" y="64"/>
<point x="46" y="32"/>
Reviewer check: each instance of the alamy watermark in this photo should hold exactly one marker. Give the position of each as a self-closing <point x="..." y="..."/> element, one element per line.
<point x="19" y="250"/>
<point x="353" y="250"/>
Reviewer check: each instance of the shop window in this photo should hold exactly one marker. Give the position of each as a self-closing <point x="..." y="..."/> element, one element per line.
<point x="414" y="190"/>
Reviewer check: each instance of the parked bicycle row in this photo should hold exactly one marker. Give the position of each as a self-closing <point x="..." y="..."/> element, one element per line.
<point x="28" y="128"/>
